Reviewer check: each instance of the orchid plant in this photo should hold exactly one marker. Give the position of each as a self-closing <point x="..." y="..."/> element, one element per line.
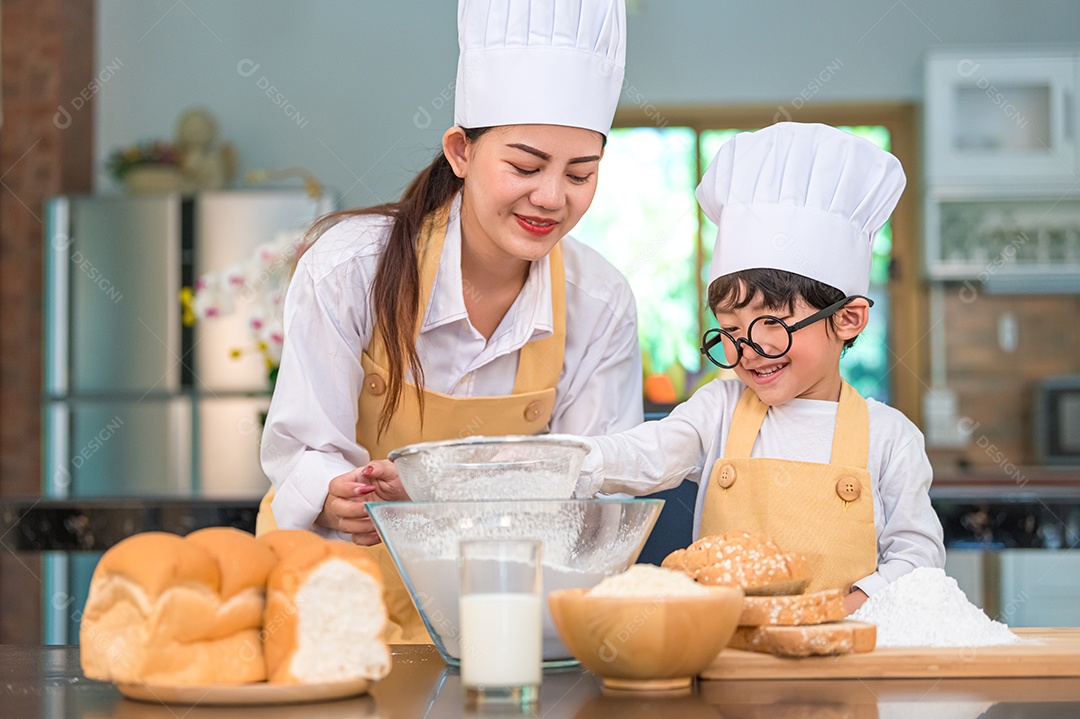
<point x="257" y="285"/>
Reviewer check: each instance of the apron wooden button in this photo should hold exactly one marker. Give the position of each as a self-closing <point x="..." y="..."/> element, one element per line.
<point x="726" y="478"/>
<point x="533" y="409"/>
<point x="375" y="384"/>
<point x="848" y="488"/>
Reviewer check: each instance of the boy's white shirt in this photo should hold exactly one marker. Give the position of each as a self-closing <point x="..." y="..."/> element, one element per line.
<point x="659" y="455"/>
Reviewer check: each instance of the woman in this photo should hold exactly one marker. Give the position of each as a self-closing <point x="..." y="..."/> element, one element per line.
<point x="464" y="308"/>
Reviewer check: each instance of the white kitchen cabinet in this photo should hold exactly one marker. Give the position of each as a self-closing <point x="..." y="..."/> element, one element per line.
<point x="996" y="117"/>
<point x="1021" y="587"/>
<point x="1011" y="239"/>
<point x="1040" y="587"/>
<point x="967" y="567"/>
<point x="1002" y="182"/>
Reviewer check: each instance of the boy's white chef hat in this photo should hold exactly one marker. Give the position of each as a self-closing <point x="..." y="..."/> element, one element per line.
<point x="804" y="198"/>
<point x="546" y="62"/>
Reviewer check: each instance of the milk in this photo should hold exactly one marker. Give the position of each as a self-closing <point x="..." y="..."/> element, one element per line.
<point x="434" y="582"/>
<point x="500" y="640"/>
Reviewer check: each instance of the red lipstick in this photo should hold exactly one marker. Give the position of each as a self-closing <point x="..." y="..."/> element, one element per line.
<point x="538" y="226"/>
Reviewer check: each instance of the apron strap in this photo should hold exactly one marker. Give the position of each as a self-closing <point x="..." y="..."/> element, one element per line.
<point x="540" y="362"/>
<point x="745" y="423"/>
<point x="851" y="437"/>
<point x="851" y="434"/>
<point x="429" y="252"/>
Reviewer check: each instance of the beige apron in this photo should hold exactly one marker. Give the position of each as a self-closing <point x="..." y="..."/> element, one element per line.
<point x="824" y="511"/>
<point x="526" y="411"/>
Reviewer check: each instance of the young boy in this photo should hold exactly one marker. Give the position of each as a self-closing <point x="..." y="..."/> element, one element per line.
<point x="789" y="449"/>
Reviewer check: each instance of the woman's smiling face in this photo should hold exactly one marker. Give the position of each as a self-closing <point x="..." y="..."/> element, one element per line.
<point x="525" y="186"/>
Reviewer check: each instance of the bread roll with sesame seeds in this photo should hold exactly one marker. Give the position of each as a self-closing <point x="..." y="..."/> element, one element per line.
<point x="741" y="559"/>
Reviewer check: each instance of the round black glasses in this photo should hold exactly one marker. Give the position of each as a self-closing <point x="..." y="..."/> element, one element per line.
<point x="767" y="335"/>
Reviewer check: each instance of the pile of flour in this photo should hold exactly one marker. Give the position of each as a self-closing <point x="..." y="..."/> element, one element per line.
<point x="926" y="608"/>
<point x="647" y="581"/>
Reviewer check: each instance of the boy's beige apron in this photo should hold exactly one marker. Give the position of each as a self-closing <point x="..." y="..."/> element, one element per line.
<point x="526" y="411"/>
<point x="824" y="511"/>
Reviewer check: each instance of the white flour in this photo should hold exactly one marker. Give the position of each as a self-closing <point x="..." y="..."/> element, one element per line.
<point x="645" y="580"/>
<point x="537" y="468"/>
<point x="583" y="542"/>
<point x="926" y="608"/>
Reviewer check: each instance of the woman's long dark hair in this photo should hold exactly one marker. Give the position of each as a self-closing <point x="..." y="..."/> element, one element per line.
<point x="395" y="293"/>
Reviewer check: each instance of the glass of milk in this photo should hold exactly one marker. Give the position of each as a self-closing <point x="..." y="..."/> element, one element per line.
<point x="501" y="630"/>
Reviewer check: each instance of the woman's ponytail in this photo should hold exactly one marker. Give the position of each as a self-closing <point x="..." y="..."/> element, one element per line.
<point x="395" y="293"/>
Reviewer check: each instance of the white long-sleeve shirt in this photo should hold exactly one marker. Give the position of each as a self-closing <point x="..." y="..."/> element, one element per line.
<point x="328" y="319"/>
<point x="659" y="455"/>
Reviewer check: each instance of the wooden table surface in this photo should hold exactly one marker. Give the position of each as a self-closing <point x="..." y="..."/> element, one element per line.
<point x="47" y="682"/>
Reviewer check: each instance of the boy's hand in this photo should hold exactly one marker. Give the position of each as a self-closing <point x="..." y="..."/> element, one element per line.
<point x="345" y="508"/>
<point x="854" y="600"/>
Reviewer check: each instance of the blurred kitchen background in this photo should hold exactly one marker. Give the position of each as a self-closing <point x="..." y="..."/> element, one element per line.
<point x="126" y="405"/>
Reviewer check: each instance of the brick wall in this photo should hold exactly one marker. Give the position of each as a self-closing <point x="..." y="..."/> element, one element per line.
<point x="995" y="388"/>
<point x="48" y="59"/>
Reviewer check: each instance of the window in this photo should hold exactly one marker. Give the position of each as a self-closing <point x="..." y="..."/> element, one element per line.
<point x="646" y="221"/>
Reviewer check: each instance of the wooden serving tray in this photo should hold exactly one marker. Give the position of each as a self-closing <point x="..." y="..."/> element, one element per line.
<point x="1051" y="652"/>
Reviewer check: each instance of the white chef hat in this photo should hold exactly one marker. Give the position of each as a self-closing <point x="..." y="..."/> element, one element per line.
<point x="804" y="198"/>
<point x="545" y="62"/>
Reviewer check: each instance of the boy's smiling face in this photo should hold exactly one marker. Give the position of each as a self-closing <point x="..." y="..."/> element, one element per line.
<point x="811" y="368"/>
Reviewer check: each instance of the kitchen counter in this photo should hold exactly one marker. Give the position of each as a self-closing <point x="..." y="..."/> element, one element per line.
<point x="977" y="508"/>
<point x="1023" y="508"/>
<point x="1008" y="484"/>
<point x="93" y="524"/>
<point x="47" y="682"/>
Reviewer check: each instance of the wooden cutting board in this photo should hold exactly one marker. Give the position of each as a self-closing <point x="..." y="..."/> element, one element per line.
<point x="1047" y="652"/>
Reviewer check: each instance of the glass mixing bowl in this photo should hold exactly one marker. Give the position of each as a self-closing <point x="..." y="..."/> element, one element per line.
<point x="584" y="540"/>
<point x="485" y="468"/>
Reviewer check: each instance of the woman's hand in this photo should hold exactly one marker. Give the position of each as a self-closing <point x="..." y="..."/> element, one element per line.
<point x="854" y="600"/>
<point x="383" y="480"/>
<point x="345" y="508"/>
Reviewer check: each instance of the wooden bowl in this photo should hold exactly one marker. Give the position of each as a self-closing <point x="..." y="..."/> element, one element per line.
<point x="642" y="643"/>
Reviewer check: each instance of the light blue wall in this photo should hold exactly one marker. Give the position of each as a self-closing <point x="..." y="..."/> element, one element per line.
<point x="350" y="76"/>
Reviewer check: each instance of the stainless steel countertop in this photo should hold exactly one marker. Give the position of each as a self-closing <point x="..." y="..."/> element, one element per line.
<point x="47" y="682"/>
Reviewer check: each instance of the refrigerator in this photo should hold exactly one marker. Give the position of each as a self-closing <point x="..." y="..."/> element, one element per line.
<point x="136" y="402"/>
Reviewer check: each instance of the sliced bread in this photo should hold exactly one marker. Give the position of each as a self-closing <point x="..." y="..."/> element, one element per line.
<point x="809" y="640"/>
<point x="793" y="609"/>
